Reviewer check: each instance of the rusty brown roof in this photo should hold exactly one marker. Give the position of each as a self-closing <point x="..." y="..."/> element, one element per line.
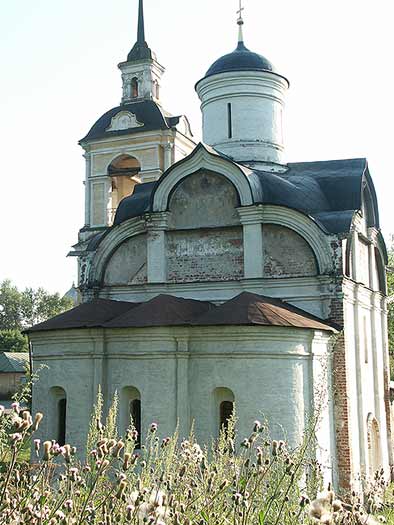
<point x="87" y="315"/>
<point x="167" y="310"/>
<point x="163" y="310"/>
<point x="251" y="309"/>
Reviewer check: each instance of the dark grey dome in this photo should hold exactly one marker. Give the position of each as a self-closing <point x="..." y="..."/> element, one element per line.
<point x="242" y="59"/>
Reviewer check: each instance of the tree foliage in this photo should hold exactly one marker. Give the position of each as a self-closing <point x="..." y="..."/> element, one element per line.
<point x="21" y="309"/>
<point x="13" y="341"/>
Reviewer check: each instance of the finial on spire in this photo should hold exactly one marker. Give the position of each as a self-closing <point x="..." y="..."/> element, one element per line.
<point x="240" y="22"/>
<point x="141" y="23"/>
<point x="141" y="50"/>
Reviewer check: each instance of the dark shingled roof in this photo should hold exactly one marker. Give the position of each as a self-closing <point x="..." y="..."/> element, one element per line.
<point x="146" y="111"/>
<point x="328" y="191"/>
<point x="251" y="309"/>
<point x="166" y="310"/>
<point x="163" y="310"/>
<point x="87" y="315"/>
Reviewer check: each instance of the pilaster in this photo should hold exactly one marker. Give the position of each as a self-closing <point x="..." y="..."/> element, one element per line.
<point x="251" y="220"/>
<point x="182" y="386"/>
<point x="88" y="159"/>
<point x="156" y="247"/>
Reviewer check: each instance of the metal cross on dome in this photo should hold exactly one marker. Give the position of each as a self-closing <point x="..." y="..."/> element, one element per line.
<point x="239" y="12"/>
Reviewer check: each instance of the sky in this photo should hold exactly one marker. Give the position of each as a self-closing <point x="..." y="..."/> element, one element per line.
<point x="59" y="75"/>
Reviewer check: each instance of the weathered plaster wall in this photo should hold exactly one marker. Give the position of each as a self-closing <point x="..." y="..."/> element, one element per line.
<point x="286" y="253"/>
<point x="203" y="200"/>
<point x="128" y="264"/>
<point x="176" y="371"/>
<point x="205" y="255"/>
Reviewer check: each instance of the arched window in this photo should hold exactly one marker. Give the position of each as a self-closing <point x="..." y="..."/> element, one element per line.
<point x="62" y="413"/>
<point x="58" y="414"/>
<point x="134" y="87"/>
<point x="224" y="407"/>
<point x="123" y="172"/>
<point x="226" y="411"/>
<point x="135" y="414"/>
<point x="156" y="89"/>
<point x="130" y="411"/>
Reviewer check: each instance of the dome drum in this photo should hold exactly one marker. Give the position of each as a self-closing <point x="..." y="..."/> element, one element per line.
<point x="242" y="114"/>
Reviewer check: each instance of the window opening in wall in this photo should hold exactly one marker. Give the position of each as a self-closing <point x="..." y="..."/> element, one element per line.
<point x="61" y="431"/>
<point x="230" y="120"/>
<point x="134" y="87"/>
<point x="135" y="413"/>
<point x="226" y="411"/>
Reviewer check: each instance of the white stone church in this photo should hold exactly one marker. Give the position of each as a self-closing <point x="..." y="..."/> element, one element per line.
<point x="218" y="273"/>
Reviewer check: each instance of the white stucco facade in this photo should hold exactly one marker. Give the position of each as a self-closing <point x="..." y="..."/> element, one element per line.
<point x="242" y="115"/>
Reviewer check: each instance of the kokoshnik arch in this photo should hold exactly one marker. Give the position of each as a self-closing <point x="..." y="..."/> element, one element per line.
<point x="218" y="273"/>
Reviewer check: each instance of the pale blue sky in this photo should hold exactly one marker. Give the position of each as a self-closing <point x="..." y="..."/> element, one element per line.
<point x="58" y="75"/>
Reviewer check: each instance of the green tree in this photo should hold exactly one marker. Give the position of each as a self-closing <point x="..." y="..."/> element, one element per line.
<point x="21" y="309"/>
<point x="13" y="341"/>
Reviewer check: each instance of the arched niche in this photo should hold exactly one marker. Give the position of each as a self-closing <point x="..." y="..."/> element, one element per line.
<point x="286" y="253"/>
<point x="374" y="446"/>
<point x="58" y="414"/>
<point x="380" y="272"/>
<point x="123" y="171"/>
<point x="128" y="263"/>
<point x="203" y="199"/>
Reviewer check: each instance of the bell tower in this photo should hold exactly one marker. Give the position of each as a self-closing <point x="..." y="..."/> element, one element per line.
<point x="141" y="73"/>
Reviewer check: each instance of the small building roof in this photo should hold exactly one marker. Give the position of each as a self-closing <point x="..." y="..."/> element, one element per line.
<point x="11" y="362"/>
<point x="167" y="310"/>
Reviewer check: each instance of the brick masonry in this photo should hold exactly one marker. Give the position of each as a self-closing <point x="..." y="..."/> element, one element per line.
<point x="205" y="255"/>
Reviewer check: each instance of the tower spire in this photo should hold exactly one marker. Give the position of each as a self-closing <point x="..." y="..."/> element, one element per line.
<point x="141" y="24"/>
<point x="240" y="23"/>
<point x="141" y="50"/>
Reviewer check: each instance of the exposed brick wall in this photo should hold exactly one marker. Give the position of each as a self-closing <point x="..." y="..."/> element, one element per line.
<point x="286" y="254"/>
<point x="205" y="255"/>
<point x="388" y="405"/>
<point x="341" y="403"/>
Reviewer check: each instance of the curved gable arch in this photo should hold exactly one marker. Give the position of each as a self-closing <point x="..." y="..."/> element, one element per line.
<point x="369" y="201"/>
<point x="201" y="159"/>
<point x="306" y="228"/>
<point x="110" y="243"/>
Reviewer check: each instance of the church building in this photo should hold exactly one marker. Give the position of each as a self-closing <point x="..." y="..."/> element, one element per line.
<point x="217" y="273"/>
